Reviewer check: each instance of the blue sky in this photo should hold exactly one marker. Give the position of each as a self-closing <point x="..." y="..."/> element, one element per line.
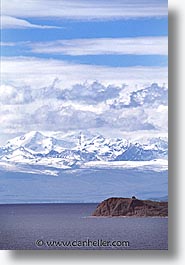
<point x="142" y="27"/>
<point x="55" y="45"/>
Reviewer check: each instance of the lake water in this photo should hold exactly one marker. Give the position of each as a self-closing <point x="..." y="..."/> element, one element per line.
<point x="22" y="225"/>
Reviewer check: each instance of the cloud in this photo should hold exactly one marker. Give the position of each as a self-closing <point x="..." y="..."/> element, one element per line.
<point x="93" y="93"/>
<point x="8" y="44"/>
<point x="65" y="118"/>
<point x="86" y="10"/>
<point x="128" y="119"/>
<point x="10" y="95"/>
<point x="89" y="93"/>
<point x="51" y="117"/>
<point x="8" y="22"/>
<point x="13" y="119"/>
<point x="153" y="95"/>
<point x="37" y="72"/>
<point x="75" y="47"/>
<point x="69" y="118"/>
<point x="47" y="94"/>
<point x="158" y="117"/>
<point x="23" y="109"/>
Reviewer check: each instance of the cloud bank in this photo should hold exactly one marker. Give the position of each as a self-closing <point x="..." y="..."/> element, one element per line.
<point x="117" y="46"/>
<point x="82" y="107"/>
<point x="8" y="22"/>
<point x="85" y="10"/>
<point x="153" y="95"/>
<point x="37" y="72"/>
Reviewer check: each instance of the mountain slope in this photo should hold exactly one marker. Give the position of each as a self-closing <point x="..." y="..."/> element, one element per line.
<point x="36" y="148"/>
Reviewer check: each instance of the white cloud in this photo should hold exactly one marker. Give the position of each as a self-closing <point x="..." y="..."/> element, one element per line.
<point x="64" y="118"/>
<point x="10" y="95"/>
<point x="8" y="44"/>
<point x="153" y="95"/>
<point x="87" y="93"/>
<point x="128" y="119"/>
<point x="158" y="117"/>
<point x="139" y="46"/>
<point x="12" y="119"/>
<point x="93" y="93"/>
<point x="31" y="100"/>
<point x="37" y="72"/>
<point x="83" y="9"/>
<point x="54" y="116"/>
<point x="23" y="109"/>
<point x="8" y="22"/>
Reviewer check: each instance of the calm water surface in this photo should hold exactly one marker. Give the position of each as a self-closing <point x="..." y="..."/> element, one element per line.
<point x="21" y="225"/>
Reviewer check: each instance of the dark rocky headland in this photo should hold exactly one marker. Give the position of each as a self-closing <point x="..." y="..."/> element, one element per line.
<point x="131" y="207"/>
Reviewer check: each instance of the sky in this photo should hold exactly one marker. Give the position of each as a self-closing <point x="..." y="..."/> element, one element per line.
<point x="84" y="65"/>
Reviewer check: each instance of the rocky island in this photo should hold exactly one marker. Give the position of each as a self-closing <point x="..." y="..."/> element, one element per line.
<point x="131" y="207"/>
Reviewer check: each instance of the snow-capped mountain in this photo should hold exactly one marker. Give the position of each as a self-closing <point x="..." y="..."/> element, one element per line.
<point x="105" y="148"/>
<point x="36" y="142"/>
<point x="36" y="148"/>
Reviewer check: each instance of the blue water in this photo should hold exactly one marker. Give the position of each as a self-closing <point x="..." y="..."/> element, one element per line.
<point x="21" y="225"/>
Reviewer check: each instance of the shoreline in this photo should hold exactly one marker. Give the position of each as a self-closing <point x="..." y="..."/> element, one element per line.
<point x="126" y="217"/>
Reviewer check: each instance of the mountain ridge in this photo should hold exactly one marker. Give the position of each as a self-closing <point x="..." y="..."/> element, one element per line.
<point x="36" y="148"/>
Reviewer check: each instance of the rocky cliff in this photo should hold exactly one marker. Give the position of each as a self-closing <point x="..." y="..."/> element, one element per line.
<point x="131" y="207"/>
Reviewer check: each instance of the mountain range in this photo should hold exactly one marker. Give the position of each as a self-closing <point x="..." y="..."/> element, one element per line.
<point x="74" y="150"/>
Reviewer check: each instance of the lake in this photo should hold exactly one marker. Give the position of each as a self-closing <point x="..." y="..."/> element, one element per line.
<point x="21" y="225"/>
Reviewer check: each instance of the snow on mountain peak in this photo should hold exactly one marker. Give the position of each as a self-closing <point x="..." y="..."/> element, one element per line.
<point x="35" y="142"/>
<point x="38" y="148"/>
